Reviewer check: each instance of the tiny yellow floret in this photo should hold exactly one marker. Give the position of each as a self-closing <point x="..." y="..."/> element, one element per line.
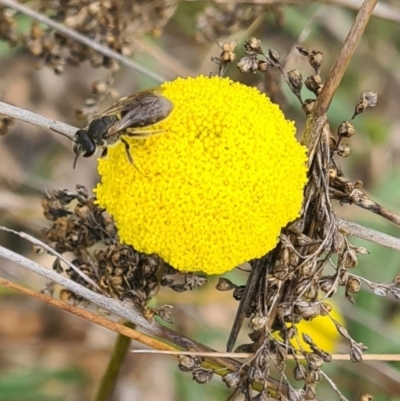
<point x="215" y="187"/>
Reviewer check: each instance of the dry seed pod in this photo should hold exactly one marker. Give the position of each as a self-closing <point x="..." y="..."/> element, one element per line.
<point x="353" y="285"/>
<point x="165" y="313"/>
<point x="367" y="99"/>
<point x="396" y="280"/>
<point x="232" y="379"/>
<point x="366" y="397"/>
<point x="350" y="259"/>
<point x="310" y="392"/>
<point x="302" y="51"/>
<point x="299" y="372"/>
<point x="326" y="284"/>
<point x="355" y="353"/>
<point x="371" y="97"/>
<point x="295" y="81"/>
<point x="247" y="64"/>
<point x="5" y="122"/>
<point x="361" y="250"/>
<point x="314" y="361"/>
<point x="98" y="87"/>
<point x="228" y="49"/>
<point x="313" y="83"/>
<point x="274" y="56"/>
<point x="315" y="58"/>
<point x="346" y="130"/>
<point x="343" y="150"/>
<point x="358" y="184"/>
<point x="202" y="376"/>
<point x="187" y="363"/>
<point x="332" y="173"/>
<point x="225" y="285"/>
<point x="253" y="46"/>
<point x="263" y="66"/>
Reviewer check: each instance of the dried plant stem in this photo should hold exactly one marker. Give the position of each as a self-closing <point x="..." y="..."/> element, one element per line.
<point x="50" y="250"/>
<point x="343" y="59"/>
<point x="360" y="199"/>
<point x="245" y="355"/>
<point x="90" y="316"/>
<point x="71" y="33"/>
<point x="110" y="377"/>
<point x="36" y="119"/>
<point x="369" y="234"/>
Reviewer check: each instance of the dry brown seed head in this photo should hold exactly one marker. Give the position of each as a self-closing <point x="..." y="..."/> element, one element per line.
<point x="343" y="150"/>
<point x="314" y="377"/>
<point x="313" y="83"/>
<point x="350" y="259"/>
<point x="274" y="56"/>
<point x="232" y="379"/>
<point x="371" y="97"/>
<point x="361" y="250"/>
<point x="315" y="58"/>
<point x="355" y="353"/>
<point x="247" y="64"/>
<point x="202" y="376"/>
<point x="358" y="184"/>
<point x="366" y="397"/>
<point x="310" y="392"/>
<point x="396" y="280"/>
<point x="353" y="285"/>
<point x="326" y="285"/>
<point x="299" y="372"/>
<point x="187" y="363"/>
<point x="302" y="51"/>
<point x="308" y="310"/>
<point x="253" y="45"/>
<point x="165" y="313"/>
<point x="99" y="87"/>
<point x="295" y="81"/>
<point x="225" y="285"/>
<point x="346" y="130"/>
<point x="361" y="106"/>
<point x="263" y="66"/>
<point x="314" y="361"/>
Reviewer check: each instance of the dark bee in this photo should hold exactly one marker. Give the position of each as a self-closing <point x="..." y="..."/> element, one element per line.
<point x="126" y="117"/>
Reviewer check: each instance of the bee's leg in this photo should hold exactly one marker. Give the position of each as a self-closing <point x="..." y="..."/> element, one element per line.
<point x="104" y="152"/>
<point x="128" y="151"/>
<point x="129" y="155"/>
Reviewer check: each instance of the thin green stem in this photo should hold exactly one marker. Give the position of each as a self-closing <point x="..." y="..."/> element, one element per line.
<point x="110" y="377"/>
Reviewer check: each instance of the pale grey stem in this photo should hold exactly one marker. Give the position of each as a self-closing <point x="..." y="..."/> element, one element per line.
<point x="50" y="250"/>
<point x="102" y="49"/>
<point x="382" y="10"/>
<point x="333" y="385"/>
<point x="119" y="308"/>
<point x="38" y="120"/>
<point x="369" y="234"/>
<point x="109" y="304"/>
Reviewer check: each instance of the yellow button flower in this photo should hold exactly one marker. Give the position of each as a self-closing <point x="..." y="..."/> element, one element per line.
<point x="214" y="189"/>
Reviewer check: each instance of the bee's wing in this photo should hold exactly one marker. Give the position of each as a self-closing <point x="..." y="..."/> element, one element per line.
<point x="126" y="103"/>
<point x="142" y="111"/>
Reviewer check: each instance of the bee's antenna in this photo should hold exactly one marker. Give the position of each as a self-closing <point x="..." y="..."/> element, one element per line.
<point x="75" y="161"/>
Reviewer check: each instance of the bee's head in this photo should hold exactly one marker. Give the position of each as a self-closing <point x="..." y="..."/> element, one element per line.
<point x="83" y="145"/>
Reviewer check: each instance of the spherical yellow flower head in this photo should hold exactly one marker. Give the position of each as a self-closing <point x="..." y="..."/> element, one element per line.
<point x="214" y="189"/>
